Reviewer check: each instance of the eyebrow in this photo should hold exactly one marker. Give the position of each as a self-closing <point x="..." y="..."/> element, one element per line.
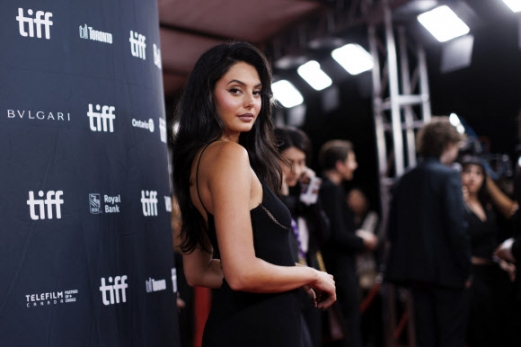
<point x="242" y="83"/>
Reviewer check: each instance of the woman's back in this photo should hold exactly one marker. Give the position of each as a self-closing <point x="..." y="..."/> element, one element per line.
<point x="241" y="318"/>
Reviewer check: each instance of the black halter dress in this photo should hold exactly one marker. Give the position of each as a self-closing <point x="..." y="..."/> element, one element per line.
<point x="253" y="319"/>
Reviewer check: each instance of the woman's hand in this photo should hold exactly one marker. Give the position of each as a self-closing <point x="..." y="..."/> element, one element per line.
<point x="509" y="268"/>
<point x="324" y="287"/>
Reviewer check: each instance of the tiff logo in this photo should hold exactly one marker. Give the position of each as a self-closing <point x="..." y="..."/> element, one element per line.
<point x="138" y="45"/>
<point x="41" y="19"/>
<point x="101" y="121"/>
<point x="157" y="56"/>
<point x="149" y="202"/>
<point x="53" y="198"/>
<point x="114" y="290"/>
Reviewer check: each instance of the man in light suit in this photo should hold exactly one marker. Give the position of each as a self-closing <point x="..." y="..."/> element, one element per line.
<point x="430" y="247"/>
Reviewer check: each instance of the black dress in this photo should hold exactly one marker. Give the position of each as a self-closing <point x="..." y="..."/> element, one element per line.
<point x="252" y="319"/>
<point x="490" y="295"/>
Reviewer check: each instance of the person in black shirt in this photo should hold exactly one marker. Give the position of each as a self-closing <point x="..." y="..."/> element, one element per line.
<point x="338" y="162"/>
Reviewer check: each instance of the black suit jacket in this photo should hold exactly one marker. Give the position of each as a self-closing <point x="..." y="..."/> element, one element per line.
<point x="343" y="243"/>
<point x="427" y="229"/>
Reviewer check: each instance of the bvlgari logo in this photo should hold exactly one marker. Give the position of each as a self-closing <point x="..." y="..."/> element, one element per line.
<point x="88" y="33"/>
<point x="39" y="115"/>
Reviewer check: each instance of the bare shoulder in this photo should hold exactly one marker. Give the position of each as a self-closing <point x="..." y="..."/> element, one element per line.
<point x="225" y="156"/>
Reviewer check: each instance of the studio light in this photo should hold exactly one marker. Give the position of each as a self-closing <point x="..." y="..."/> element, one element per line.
<point x="353" y="58"/>
<point x="313" y="74"/>
<point x="443" y="23"/>
<point x="455" y="121"/>
<point x="287" y="94"/>
<point x="514" y="5"/>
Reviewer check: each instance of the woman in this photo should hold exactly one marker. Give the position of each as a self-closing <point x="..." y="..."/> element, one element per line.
<point x="490" y="291"/>
<point x="235" y="230"/>
<point x="309" y="222"/>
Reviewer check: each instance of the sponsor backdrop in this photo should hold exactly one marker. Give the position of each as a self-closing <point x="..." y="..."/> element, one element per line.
<point x="85" y="245"/>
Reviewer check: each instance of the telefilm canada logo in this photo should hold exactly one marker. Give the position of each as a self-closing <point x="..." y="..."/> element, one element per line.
<point x="89" y="33"/>
<point x="99" y="203"/>
<point x="138" y="46"/>
<point x="153" y="285"/>
<point x="101" y="120"/>
<point x="31" y="115"/>
<point x="149" y="203"/>
<point x="50" y="202"/>
<point x="147" y="125"/>
<point x="114" y="291"/>
<point x="40" y="24"/>
<point x="51" y="298"/>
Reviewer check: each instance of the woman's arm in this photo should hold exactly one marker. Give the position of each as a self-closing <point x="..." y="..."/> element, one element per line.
<point x="199" y="267"/>
<point x="229" y="189"/>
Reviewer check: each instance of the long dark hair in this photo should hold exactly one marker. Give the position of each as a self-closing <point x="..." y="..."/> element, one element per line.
<point x="288" y="137"/>
<point x="199" y="124"/>
<point x="482" y="195"/>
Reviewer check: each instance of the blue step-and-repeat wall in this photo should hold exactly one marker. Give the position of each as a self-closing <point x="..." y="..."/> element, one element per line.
<point x="85" y="243"/>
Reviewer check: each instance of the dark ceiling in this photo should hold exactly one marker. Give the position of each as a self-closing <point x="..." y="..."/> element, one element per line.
<point x="190" y="27"/>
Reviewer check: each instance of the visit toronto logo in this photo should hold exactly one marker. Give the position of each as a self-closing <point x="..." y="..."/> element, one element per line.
<point x="101" y="121"/>
<point x="138" y="45"/>
<point x="51" y="202"/>
<point x="157" y="56"/>
<point x="27" y="26"/>
<point x="88" y="33"/>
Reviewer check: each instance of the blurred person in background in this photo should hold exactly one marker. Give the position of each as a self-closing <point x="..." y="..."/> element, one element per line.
<point x="429" y="242"/>
<point x="490" y="295"/>
<point x="338" y="163"/>
<point x="310" y="225"/>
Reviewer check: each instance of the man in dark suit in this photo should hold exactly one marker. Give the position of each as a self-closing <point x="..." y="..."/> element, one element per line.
<point x="430" y="248"/>
<point x="338" y="162"/>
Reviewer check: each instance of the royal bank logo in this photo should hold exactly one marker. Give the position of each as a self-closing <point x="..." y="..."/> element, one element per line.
<point x="101" y="120"/>
<point x="157" y="56"/>
<point x="162" y="129"/>
<point x="88" y="33"/>
<point x="174" y="279"/>
<point x="153" y="285"/>
<point x="51" y="202"/>
<point x="147" y="125"/>
<point x="149" y="203"/>
<point x="39" y="115"/>
<point x="95" y="203"/>
<point x="137" y="45"/>
<point x="40" y="23"/>
<point x="51" y="298"/>
<point x="114" y="291"/>
<point x="104" y="203"/>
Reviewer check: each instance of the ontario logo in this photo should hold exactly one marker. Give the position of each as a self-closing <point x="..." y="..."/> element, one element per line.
<point x="147" y="125"/>
<point x="153" y="285"/>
